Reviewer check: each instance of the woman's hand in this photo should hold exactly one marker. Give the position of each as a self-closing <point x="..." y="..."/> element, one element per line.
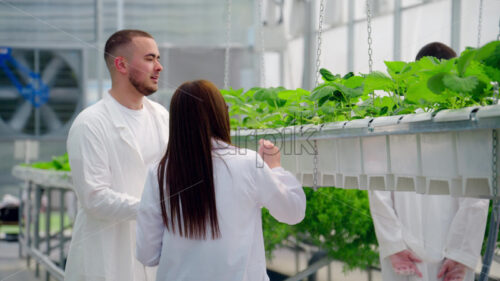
<point x="452" y="271"/>
<point x="270" y="153"/>
<point x="404" y="263"/>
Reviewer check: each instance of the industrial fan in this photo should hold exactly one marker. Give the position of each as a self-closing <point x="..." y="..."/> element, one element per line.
<point x="40" y="90"/>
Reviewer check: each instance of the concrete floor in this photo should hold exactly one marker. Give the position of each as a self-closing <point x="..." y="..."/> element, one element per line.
<point x="284" y="262"/>
<point x="12" y="268"/>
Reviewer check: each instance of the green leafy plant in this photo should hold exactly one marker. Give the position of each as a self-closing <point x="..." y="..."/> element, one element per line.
<point x="428" y="85"/>
<point x="58" y="163"/>
<point x="338" y="220"/>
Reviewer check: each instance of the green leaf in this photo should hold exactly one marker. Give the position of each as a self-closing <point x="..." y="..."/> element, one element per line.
<point x="348" y="75"/>
<point x="271" y="117"/>
<point x="322" y="92"/>
<point x="354" y="82"/>
<point x="383" y="110"/>
<point x="492" y="73"/>
<point x="289" y="95"/>
<point x="489" y="54"/>
<point x="420" y="93"/>
<point x="302" y="92"/>
<point x="459" y="84"/>
<point x="436" y="84"/>
<point x="261" y="95"/>
<point x="395" y="67"/>
<point x="378" y="81"/>
<point x="326" y="74"/>
<point x="494" y="59"/>
<point x="426" y="63"/>
<point x="349" y="92"/>
<point x="464" y="61"/>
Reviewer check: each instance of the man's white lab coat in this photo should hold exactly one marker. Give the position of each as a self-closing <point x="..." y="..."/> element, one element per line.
<point x="434" y="227"/>
<point x="108" y="176"/>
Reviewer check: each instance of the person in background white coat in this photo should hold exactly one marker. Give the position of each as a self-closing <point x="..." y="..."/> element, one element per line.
<point x="110" y="145"/>
<point x="428" y="237"/>
<point x="200" y="213"/>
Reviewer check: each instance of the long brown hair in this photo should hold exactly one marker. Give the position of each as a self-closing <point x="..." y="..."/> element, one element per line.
<point x="198" y="114"/>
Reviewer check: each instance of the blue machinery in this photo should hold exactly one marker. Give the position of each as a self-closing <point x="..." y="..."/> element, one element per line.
<point x="41" y="90"/>
<point x="35" y="91"/>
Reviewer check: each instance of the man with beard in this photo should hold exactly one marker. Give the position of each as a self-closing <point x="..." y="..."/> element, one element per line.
<point x="110" y="145"/>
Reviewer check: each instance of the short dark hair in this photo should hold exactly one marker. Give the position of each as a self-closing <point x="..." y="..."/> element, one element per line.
<point x="121" y="38"/>
<point x="437" y="50"/>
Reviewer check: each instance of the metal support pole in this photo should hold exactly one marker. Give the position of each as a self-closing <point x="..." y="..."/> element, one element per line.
<point x="318" y="256"/>
<point x="495" y="213"/>
<point x="98" y="40"/>
<point x="350" y="37"/>
<point x="119" y="14"/>
<point x="456" y="9"/>
<point x="61" y="231"/>
<point x="308" y="76"/>
<point x="297" y="265"/>
<point x="282" y="66"/>
<point x="36" y="238"/>
<point x="20" y="236"/>
<point x="36" y="59"/>
<point x="311" y="269"/>
<point x="47" y="227"/>
<point x="29" y="218"/>
<point x="491" y="243"/>
<point x="397" y="31"/>
<point x="329" y="271"/>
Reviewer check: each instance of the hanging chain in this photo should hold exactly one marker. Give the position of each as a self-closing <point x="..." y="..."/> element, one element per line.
<point x="479" y="24"/>
<point x="320" y="31"/>
<point x="228" y="44"/>
<point x="315" y="168"/>
<point x="369" y="29"/>
<point x="494" y="164"/>
<point x="261" y="43"/>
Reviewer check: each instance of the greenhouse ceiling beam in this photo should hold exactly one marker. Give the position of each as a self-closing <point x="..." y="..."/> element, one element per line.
<point x="46" y="45"/>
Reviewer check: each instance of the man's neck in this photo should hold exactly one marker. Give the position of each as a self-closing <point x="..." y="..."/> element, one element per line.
<point x="129" y="98"/>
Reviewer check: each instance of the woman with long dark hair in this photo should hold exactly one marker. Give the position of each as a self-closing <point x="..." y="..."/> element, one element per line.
<point x="200" y="213"/>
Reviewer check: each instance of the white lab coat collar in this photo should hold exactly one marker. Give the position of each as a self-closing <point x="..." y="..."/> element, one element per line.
<point x="119" y="122"/>
<point x="219" y="144"/>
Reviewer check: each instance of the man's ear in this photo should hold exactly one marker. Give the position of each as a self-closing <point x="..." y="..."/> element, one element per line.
<point x="121" y="65"/>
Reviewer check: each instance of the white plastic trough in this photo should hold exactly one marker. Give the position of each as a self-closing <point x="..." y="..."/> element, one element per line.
<point x="446" y="153"/>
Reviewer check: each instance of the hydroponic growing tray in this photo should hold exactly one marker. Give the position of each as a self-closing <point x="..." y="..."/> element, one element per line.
<point x="450" y="152"/>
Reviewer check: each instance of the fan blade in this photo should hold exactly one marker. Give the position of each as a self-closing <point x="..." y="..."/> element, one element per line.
<point x="22" y="61"/>
<point x="64" y="95"/>
<point x="8" y="93"/>
<point x="51" y="69"/>
<point x="50" y="118"/>
<point x="21" y="116"/>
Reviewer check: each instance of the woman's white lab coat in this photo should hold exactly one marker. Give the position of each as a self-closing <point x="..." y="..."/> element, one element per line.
<point x="434" y="227"/>
<point x="242" y="188"/>
<point x="108" y="176"/>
